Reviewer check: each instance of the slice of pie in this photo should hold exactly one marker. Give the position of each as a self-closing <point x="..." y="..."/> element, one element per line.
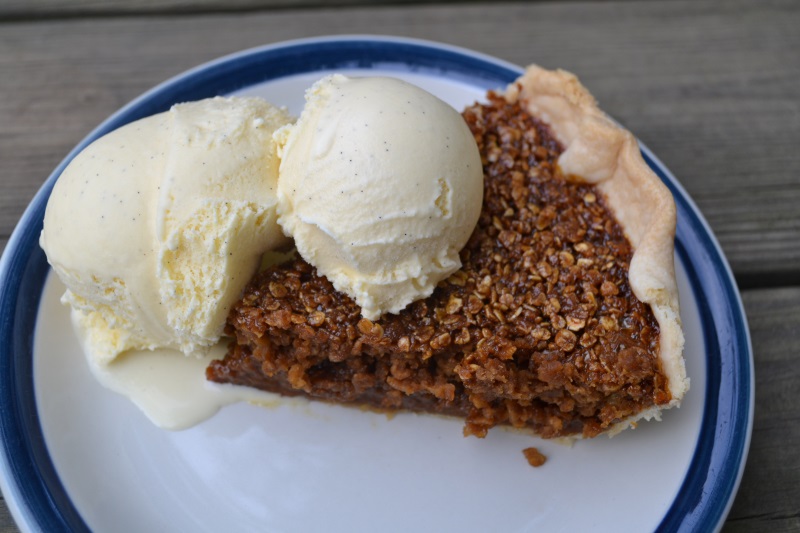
<point x="563" y="318"/>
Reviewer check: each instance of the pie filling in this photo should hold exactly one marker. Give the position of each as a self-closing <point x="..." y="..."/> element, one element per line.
<point x="539" y="329"/>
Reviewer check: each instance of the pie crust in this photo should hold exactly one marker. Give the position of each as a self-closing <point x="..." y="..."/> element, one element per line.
<point x="600" y="152"/>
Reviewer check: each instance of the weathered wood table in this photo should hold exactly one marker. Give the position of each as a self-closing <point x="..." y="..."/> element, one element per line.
<point x="713" y="88"/>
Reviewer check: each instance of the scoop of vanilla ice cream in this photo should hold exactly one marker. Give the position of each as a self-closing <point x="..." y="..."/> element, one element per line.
<point x="156" y="227"/>
<point x="380" y="185"/>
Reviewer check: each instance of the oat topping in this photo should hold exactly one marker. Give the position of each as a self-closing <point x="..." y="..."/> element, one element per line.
<point x="539" y="329"/>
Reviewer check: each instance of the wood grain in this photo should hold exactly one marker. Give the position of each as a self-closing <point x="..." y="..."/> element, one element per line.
<point x="20" y="9"/>
<point x="770" y="490"/>
<point x="710" y="87"/>
<point x="27" y="9"/>
<point x="7" y="524"/>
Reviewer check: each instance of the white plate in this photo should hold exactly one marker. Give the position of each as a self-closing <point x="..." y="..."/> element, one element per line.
<point x="93" y="460"/>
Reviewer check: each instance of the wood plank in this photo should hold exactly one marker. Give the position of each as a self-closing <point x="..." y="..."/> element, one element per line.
<point x="7" y="524"/>
<point x="26" y="9"/>
<point x="710" y="87"/>
<point x="16" y="9"/>
<point x="770" y="490"/>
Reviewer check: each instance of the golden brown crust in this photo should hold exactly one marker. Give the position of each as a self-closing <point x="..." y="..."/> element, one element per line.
<point x="601" y="152"/>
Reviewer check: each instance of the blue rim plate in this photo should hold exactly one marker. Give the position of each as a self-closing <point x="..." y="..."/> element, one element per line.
<point x="32" y="489"/>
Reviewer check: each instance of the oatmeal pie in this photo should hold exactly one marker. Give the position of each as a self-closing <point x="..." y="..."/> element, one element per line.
<point x="563" y="318"/>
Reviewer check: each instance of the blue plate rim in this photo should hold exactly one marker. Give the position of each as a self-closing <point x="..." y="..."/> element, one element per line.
<point x="34" y="494"/>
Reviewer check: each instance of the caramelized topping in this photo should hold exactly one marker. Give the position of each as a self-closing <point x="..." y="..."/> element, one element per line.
<point x="534" y="456"/>
<point x="538" y="329"/>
